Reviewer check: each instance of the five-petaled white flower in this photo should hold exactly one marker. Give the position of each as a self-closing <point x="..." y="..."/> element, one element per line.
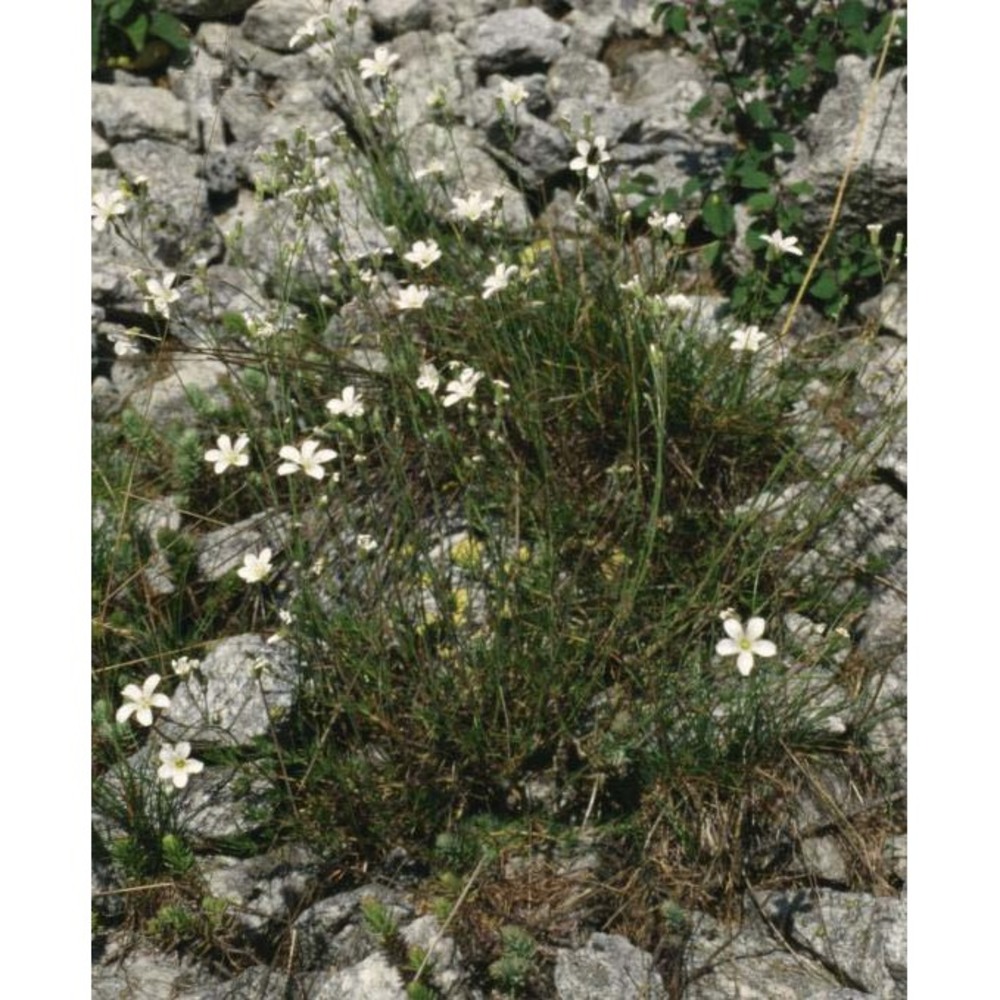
<point x="429" y="378"/>
<point x="106" y="205"/>
<point x="591" y="156"/>
<point x="228" y="454"/>
<point x="745" y="643"/>
<point x="349" y="404"/>
<point x="183" y="665"/>
<point x="177" y="764"/>
<point x="307" y="459"/>
<point x="747" y="338"/>
<point x="782" y="244"/>
<point x="464" y="387"/>
<point x="498" y="280"/>
<point x="411" y="297"/>
<point x="142" y="701"/>
<point x="159" y="294"/>
<point x="670" y="223"/>
<point x="423" y="254"/>
<point x="512" y="93"/>
<point x="474" y="207"/>
<point x="380" y="65"/>
<point x="255" y="568"/>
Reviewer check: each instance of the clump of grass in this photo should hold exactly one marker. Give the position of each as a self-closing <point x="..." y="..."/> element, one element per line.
<point x="518" y="509"/>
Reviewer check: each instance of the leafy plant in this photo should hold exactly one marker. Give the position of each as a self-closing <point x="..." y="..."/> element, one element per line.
<point x="134" y="35"/>
<point x="774" y="60"/>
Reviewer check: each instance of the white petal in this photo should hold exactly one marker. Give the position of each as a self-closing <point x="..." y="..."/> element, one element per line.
<point x="733" y="628"/>
<point x="726" y="647"/>
<point x="764" y="647"/>
<point x="289" y="452"/>
<point x="755" y="628"/>
<point x="124" y="712"/>
<point x="744" y="663"/>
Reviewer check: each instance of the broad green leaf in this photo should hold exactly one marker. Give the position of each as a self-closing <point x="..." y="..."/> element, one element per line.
<point x="718" y="216"/>
<point x="825" y="287"/>
<point x="167" y="27"/>
<point x="784" y="141"/>
<point x="763" y="202"/>
<point x="136" y="32"/>
<point x="119" y="8"/>
<point x="755" y="179"/>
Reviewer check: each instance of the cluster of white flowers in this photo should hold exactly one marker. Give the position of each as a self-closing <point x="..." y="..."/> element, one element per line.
<point x="459" y="389"/>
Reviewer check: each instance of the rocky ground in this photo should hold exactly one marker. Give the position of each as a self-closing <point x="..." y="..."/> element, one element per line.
<point x="194" y="140"/>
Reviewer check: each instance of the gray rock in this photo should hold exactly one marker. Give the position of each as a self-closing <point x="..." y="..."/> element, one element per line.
<point x="862" y="937"/>
<point x="199" y="85"/>
<point x="395" y="17"/>
<point x="141" y="974"/>
<point x="263" y="890"/>
<point x="243" y="688"/>
<point x="589" y="33"/>
<point x="272" y="23"/>
<point x="521" y="40"/>
<point x="168" y="399"/>
<point x="888" y="309"/>
<point x="221" y="551"/>
<point x="100" y="151"/>
<point x="433" y="70"/>
<point x="124" y="114"/>
<point x="333" y="931"/>
<point x="877" y="191"/>
<point x="259" y="982"/>
<point x="540" y="150"/>
<point x="224" y="802"/>
<point x="371" y="979"/>
<point x="205" y="10"/>
<point x="576" y="75"/>
<point x="447" y="973"/>
<point x="607" y="967"/>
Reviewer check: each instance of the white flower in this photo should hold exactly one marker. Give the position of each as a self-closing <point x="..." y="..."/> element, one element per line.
<point x="512" y="93"/>
<point x="255" y="568"/>
<point x="498" y="280"/>
<point x="411" y="297"/>
<point x="379" y="65"/>
<point x="670" y="224"/>
<point x="159" y="294"/>
<point x="592" y="155"/>
<point x="307" y="460"/>
<point x="423" y="254"/>
<point x="746" y="643"/>
<point x="310" y="31"/>
<point x="472" y="208"/>
<point x="106" y="205"/>
<point x="747" y="338"/>
<point x="125" y="343"/>
<point x="177" y="764"/>
<point x="228" y="454"/>
<point x="183" y="665"/>
<point x="366" y="543"/>
<point x="142" y="701"/>
<point x="433" y="168"/>
<point x="429" y="378"/>
<point x="464" y="387"/>
<point x="349" y="404"/>
<point x="782" y="244"/>
<point x="678" y="302"/>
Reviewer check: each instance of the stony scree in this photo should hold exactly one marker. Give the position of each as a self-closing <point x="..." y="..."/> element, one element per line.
<point x="194" y="147"/>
